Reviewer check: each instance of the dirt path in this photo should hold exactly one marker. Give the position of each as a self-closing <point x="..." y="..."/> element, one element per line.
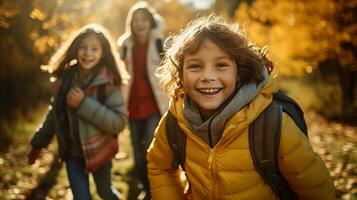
<point x="335" y="142"/>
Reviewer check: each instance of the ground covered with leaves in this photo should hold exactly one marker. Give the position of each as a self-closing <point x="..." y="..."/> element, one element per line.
<point x="335" y="142"/>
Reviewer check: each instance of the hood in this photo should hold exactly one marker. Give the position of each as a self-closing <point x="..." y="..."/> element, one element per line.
<point x="245" y="116"/>
<point x="156" y="32"/>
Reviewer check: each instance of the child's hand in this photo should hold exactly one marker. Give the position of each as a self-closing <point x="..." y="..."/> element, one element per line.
<point x="75" y="97"/>
<point x="33" y="155"/>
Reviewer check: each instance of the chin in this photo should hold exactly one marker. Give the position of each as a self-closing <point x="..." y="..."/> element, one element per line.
<point x="209" y="107"/>
<point x="87" y="67"/>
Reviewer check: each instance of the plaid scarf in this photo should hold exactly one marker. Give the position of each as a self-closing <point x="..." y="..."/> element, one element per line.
<point x="98" y="147"/>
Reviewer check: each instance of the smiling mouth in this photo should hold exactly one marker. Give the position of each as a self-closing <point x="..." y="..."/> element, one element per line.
<point x="209" y="91"/>
<point x="87" y="61"/>
<point x="140" y="28"/>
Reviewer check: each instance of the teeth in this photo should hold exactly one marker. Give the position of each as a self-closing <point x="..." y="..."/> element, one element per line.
<point x="209" y="90"/>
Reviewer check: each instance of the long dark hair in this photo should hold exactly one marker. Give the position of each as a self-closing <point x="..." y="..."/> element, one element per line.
<point x="147" y="10"/>
<point x="66" y="56"/>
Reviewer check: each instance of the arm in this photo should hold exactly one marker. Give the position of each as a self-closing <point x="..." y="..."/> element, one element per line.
<point x="42" y="137"/>
<point x="45" y="133"/>
<point x="111" y="117"/>
<point x="301" y="166"/>
<point x="164" y="181"/>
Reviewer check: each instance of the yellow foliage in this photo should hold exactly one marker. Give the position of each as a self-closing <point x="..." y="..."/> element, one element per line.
<point x="37" y="14"/>
<point x="44" y="43"/>
<point x="7" y="10"/>
<point x="299" y="33"/>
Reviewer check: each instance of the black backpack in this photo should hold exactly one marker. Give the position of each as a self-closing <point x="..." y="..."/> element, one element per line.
<point x="263" y="149"/>
<point x="159" y="48"/>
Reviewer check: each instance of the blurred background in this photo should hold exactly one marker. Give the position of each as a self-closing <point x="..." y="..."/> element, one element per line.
<point x="312" y="43"/>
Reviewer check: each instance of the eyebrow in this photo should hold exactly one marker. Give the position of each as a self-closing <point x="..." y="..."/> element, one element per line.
<point x="216" y="58"/>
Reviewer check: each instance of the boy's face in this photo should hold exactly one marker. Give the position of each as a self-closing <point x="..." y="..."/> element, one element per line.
<point x="140" y="24"/>
<point x="90" y="52"/>
<point x="209" y="77"/>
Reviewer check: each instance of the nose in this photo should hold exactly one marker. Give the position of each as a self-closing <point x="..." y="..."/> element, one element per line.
<point x="208" y="74"/>
<point x="88" y="51"/>
<point x="138" y="22"/>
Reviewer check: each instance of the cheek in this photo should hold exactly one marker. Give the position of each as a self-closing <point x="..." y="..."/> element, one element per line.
<point x="79" y="53"/>
<point x="183" y="82"/>
<point x="231" y="81"/>
<point x="100" y="55"/>
<point x="186" y="82"/>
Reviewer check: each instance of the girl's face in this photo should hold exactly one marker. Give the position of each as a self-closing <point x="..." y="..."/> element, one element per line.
<point x="90" y="52"/>
<point x="209" y="77"/>
<point x="140" y="24"/>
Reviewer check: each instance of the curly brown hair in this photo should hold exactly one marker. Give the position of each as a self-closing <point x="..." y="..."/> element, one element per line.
<point x="249" y="58"/>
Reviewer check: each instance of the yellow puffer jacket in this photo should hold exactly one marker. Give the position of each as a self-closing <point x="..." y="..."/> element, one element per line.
<point x="227" y="171"/>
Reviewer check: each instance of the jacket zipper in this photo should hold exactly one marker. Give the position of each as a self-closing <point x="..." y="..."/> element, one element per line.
<point x="212" y="170"/>
<point x="210" y="159"/>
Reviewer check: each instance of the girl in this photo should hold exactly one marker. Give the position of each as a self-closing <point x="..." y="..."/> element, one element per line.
<point x="140" y="49"/>
<point x="219" y="84"/>
<point x="87" y="112"/>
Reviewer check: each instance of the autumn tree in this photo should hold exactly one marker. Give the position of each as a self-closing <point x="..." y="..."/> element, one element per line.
<point x="304" y="36"/>
<point x="175" y="14"/>
<point x="30" y="31"/>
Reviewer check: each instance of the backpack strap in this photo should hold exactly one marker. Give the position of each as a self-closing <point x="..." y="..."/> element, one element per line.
<point x="101" y="93"/>
<point x="159" y="47"/>
<point x="123" y="54"/>
<point x="264" y="140"/>
<point x="177" y="141"/>
<point x="293" y="109"/>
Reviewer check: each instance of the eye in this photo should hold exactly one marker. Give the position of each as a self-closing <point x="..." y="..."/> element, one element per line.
<point x="194" y="66"/>
<point x="222" y="65"/>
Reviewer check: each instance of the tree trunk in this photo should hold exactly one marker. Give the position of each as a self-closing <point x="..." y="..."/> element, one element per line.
<point x="348" y="78"/>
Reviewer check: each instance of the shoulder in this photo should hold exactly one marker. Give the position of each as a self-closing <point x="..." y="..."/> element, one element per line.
<point x="295" y="151"/>
<point x="156" y="36"/>
<point x="162" y="124"/>
<point x="160" y="25"/>
<point x="124" y="39"/>
<point x="56" y="86"/>
<point x="301" y="166"/>
<point x="115" y="95"/>
<point x="160" y="132"/>
<point x="111" y="88"/>
<point x="160" y="140"/>
<point x="291" y="135"/>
